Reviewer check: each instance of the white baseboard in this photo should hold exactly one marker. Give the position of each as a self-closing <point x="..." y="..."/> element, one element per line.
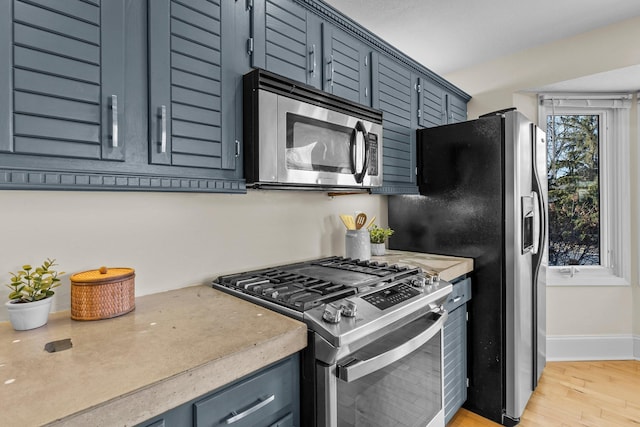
<point x="586" y="347"/>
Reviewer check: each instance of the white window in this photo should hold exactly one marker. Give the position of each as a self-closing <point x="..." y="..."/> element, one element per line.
<point x="588" y="171"/>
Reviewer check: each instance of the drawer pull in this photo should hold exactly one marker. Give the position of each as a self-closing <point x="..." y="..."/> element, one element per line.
<point x="261" y="403"/>
<point x="458" y="298"/>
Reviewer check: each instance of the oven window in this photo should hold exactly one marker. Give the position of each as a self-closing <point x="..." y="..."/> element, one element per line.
<point x="317" y="145"/>
<point x="405" y="393"/>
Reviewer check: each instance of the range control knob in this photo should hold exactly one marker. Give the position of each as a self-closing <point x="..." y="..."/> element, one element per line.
<point x="349" y="308"/>
<point x="331" y="314"/>
<point x="418" y="282"/>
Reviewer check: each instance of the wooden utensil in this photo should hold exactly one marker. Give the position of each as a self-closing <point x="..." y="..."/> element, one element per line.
<point x="371" y="222"/>
<point x="361" y="218"/>
<point x="348" y="221"/>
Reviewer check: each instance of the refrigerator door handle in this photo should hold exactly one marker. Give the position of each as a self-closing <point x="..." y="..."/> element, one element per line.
<point x="537" y="223"/>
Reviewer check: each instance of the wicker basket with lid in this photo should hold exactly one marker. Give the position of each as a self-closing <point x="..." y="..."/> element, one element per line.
<point x="103" y="293"/>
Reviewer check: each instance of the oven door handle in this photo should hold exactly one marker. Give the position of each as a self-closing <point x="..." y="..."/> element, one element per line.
<point x="356" y="369"/>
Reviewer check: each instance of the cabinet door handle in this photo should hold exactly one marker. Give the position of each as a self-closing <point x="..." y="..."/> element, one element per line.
<point x="162" y="115"/>
<point x="313" y="60"/>
<point x="331" y="71"/>
<point x="261" y="403"/>
<point x="114" y="121"/>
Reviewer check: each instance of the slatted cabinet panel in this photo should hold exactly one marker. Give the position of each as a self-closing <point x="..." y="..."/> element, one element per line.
<point x="438" y="106"/>
<point x="455" y="348"/>
<point x="393" y="96"/>
<point x="67" y="79"/>
<point x="433" y="104"/>
<point x="346" y="65"/>
<point x="456" y="109"/>
<point x="185" y="109"/>
<point x="282" y="40"/>
<point x="455" y="334"/>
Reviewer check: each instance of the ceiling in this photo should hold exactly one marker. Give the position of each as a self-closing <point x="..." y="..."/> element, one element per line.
<point x="451" y="35"/>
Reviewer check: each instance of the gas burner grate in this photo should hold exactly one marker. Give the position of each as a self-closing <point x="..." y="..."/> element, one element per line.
<point x="380" y="269"/>
<point x="293" y="290"/>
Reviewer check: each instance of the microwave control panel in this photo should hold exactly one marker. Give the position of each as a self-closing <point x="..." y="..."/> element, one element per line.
<point x="373" y="154"/>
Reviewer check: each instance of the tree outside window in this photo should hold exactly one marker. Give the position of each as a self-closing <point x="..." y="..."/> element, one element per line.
<point x="574" y="189"/>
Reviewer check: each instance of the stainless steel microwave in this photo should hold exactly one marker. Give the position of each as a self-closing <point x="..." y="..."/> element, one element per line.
<point x="298" y="136"/>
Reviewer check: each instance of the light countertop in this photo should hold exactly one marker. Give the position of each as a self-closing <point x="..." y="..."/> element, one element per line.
<point x="174" y="347"/>
<point x="448" y="267"/>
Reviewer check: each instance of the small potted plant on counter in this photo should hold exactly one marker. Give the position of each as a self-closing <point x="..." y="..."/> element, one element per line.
<point x="31" y="295"/>
<point x="378" y="236"/>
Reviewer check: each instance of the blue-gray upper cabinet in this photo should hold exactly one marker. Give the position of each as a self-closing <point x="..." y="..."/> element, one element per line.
<point x="286" y="39"/>
<point x="187" y="125"/>
<point x="439" y="106"/>
<point x="61" y="81"/>
<point x="394" y="92"/>
<point x="80" y="108"/>
<point x="456" y="109"/>
<point x="346" y="63"/>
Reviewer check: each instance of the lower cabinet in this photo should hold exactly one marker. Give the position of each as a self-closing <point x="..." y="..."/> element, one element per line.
<point x="268" y="398"/>
<point x="455" y="348"/>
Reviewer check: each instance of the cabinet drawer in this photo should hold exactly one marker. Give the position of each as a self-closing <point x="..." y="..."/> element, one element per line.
<point x="262" y="400"/>
<point x="460" y="294"/>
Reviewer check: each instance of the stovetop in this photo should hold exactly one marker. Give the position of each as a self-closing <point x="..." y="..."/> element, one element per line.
<point x="340" y="299"/>
<point x="303" y="286"/>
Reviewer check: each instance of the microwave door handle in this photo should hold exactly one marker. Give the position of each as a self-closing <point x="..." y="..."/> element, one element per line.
<point x="359" y="128"/>
<point x="352" y="151"/>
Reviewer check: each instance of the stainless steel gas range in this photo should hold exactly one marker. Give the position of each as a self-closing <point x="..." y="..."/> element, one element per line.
<point x="374" y="354"/>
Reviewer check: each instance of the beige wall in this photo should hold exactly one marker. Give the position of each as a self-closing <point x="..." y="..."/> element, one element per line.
<point x="504" y="83"/>
<point x="172" y="240"/>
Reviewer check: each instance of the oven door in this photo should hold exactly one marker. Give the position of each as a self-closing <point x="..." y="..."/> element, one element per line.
<point x="393" y="381"/>
<point x="320" y="146"/>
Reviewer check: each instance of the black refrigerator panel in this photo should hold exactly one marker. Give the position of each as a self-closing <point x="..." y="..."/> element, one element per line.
<point x="460" y="212"/>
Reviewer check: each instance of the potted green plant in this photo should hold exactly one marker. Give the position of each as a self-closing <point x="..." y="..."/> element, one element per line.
<point x="30" y="298"/>
<point x="378" y="236"/>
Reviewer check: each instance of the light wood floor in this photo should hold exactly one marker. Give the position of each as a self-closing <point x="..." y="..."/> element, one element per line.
<point x="593" y="394"/>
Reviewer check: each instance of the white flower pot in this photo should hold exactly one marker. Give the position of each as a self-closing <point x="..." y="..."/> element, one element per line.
<point x="377" y="249"/>
<point x="29" y="315"/>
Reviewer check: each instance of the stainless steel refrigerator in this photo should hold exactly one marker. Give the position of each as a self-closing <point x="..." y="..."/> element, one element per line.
<point x="483" y="195"/>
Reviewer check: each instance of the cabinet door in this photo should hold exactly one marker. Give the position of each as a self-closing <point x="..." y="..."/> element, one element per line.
<point x="455" y="347"/>
<point x="455" y="361"/>
<point x="433" y="104"/>
<point x="186" y="90"/>
<point x="394" y="95"/>
<point x="456" y="109"/>
<point x="61" y="81"/>
<point x="285" y="39"/>
<point x="438" y="106"/>
<point x="346" y="65"/>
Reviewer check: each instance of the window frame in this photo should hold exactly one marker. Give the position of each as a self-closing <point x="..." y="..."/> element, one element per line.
<point x="614" y="151"/>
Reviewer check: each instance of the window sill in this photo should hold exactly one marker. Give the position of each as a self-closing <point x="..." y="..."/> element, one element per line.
<point x="585" y="276"/>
